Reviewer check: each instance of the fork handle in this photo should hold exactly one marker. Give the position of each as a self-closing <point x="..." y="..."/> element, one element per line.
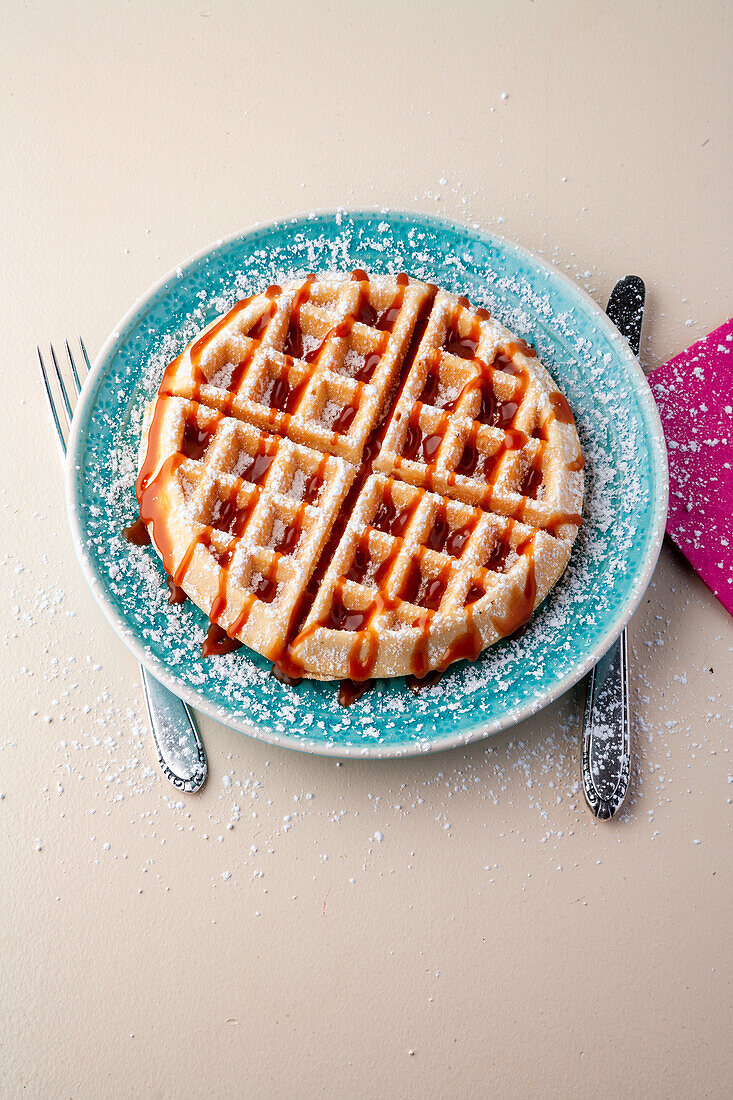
<point x="177" y="741"/>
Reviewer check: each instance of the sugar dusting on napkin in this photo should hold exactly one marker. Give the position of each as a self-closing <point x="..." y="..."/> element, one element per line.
<point x="694" y="392"/>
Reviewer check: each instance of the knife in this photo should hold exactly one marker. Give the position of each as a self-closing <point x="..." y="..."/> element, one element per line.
<point x="605" y="762"/>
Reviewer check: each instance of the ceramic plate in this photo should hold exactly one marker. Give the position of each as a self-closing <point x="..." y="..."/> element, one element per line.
<point x="611" y="564"/>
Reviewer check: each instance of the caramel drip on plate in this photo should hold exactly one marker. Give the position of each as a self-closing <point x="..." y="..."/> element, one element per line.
<point x="217" y="642"/>
<point x="418" y="684"/>
<point x="177" y="594"/>
<point x="350" y="691"/>
<point x="137" y="533"/>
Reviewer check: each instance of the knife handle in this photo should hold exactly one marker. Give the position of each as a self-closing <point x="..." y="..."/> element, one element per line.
<point x="626" y="309"/>
<point x="177" y="741"/>
<point x="605" y="758"/>
<point x="606" y="754"/>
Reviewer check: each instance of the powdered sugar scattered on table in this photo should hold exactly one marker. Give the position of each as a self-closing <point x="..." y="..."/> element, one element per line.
<point x="264" y="805"/>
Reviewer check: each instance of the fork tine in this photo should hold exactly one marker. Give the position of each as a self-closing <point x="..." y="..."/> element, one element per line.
<point x="62" y="387"/>
<point x="52" y="405"/>
<point x="72" y="364"/>
<point x="82" y="345"/>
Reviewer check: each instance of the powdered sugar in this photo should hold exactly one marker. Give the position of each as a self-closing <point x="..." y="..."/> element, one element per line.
<point x="522" y="671"/>
<point x="329" y="414"/>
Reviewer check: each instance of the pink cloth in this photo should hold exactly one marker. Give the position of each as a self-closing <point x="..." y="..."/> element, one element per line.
<point x="694" y="392"/>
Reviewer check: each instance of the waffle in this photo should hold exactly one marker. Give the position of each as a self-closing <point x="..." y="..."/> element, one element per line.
<point x="360" y="477"/>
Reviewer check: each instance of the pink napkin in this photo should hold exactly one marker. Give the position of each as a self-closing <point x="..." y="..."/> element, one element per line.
<point x="694" y="392"/>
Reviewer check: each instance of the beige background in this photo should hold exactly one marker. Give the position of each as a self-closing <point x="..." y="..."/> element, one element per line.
<point x="453" y="926"/>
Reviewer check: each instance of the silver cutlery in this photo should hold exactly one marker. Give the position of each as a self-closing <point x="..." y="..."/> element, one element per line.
<point x="605" y="762"/>
<point x="177" y="741"/>
<point x="606" y="748"/>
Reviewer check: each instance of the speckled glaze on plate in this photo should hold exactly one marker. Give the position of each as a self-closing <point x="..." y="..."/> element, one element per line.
<point x="611" y="564"/>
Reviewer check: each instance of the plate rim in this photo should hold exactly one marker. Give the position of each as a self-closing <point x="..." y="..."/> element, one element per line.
<point x="558" y="688"/>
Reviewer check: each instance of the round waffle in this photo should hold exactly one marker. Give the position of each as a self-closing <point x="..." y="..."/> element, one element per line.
<point x="360" y="477"/>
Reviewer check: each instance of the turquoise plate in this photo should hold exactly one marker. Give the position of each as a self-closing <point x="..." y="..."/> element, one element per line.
<point x="611" y="564"/>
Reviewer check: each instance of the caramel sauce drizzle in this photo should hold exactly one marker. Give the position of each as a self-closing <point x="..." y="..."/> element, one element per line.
<point x="293" y="345"/>
<point x="341" y="331"/>
<point x="200" y="346"/>
<point x="462" y="346"/>
<point x="313" y="483"/>
<point x="344" y="420"/>
<point x="389" y="518"/>
<point x="260" y="328"/>
<point x="257" y="469"/>
<point x="491" y="411"/>
<point x="291" y="535"/>
<point x="195" y="440"/>
<point x="466" y="646"/>
<point x="563" y="518"/>
<point x="532" y="478"/>
<point x="231" y="519"/>
<point x="363" y="313"/>
<point x="217" y="642"/>
<point x="265" y="588"/>
<point x="488" y="466"/>
<point x="523" y="601"/>
<point x="360" y="565"/>
<point x="426" y="443"/>
<point x="503" y="415"/>
<point x="423" y="591"/>
<point x="429" y="392"/>
<point x="241" y="619"/>
<point x="419" y="662"/>
<point x="359" y="668"/>
<point x="284" y="400"/>
<point x="561" y="409"/>
<point x="198" y="349"/>
<point x="444" y="540"/>
<point x="235" y="381"/>
<point x="291" y="681"/>
<point x="495" y="563"/>
<point x="365" y="372"/>
<point x="387" y="321"/>
<point x="522" y="605"/>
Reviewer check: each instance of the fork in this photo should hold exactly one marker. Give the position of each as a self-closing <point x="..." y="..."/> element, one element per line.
<point x="177" y="741"/>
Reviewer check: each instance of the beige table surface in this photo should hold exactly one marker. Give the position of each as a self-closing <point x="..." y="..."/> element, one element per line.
<point x="452" y="926"/>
